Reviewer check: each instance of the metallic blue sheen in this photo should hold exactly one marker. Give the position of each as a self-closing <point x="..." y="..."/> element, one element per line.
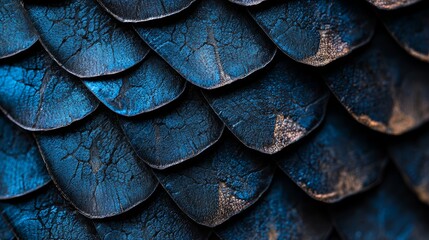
<point x="411" y="155"/>
<point x="175" y="133"/>
<point x="5" y="230"/>
<point x="17" y="33"/>
<point x="382" y="86"/>
<point x="283" y="213"/>
<point x="95" y="168"/>
<point x="45" y="215"/>
<point x="339" y="159"/>
<point x="410" y="27"/>
<point x="157" y="219"/>
<point x="141" y="11"/>
<point x="315" y="32"/>
<point x="148" y="86"/>
<point x="39" y="95"/>
<point x="391" y="211"/>
<point x="22" y="168"/>
<point x="220" y="183"/>
<point x="211" y="44"/>
<point x="84" y="39"/>
<point x="274" y="107"/>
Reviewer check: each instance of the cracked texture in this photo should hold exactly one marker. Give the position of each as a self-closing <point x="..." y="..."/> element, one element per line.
<point x="157" y="219"/>
<point x="392" y="4"/>
<point x="175" y="133"/>
<point x="84" y="39"/>
<point x="339" y="159"/>
<point x="141" y="11"/>
<point x="22" y="168"/>
<point x="95" y="167"/>
<point x="213" y="45"/>
<point x="273" y="108"/>
<point x="410" y="27"/>
<point x="38" y="95"/>
<point x="45" y="215"/>
<point x="411" y="155"/>
<point x="390" y="211"/>
<point x="146" y="87"/>
<point x="382" y="87"/>
<point x="16" y="31"/>
<point x="218" y="184"/>
<point x="315" y="32"/>
<point x="284" y="212"/>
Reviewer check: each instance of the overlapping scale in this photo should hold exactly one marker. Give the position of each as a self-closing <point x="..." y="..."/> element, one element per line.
<point x="315" y="32"/>
<point x="218" y="184"/>
<point x="148" y="86"/>
<point x="95" y="167"/>
<point x="284" y="212"/>
<point x="382" y="86"/>
<point x="38" y="95"/>
<point x="22" y="168"/>
<point x="211" y="44"/>
<point x="273" y="108"/>
<point x="158" y="218"/>
<point x="17" y="33"/>
<point x="45" y="215"/>
<point x="175" y="133"/>
<point x="339" y="159"/>
<point x="84" y="39"/>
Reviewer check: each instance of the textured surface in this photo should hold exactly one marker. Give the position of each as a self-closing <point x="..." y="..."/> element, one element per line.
<point x="95" y="167"/>
<point x="38" y="95"/>
<point x="411" y="154"/>
<point x="219" y="183"/>
<point x="157" y="219"/>
<point x="176" y="133"/>
<point x="17" y="33"/>
<point x="273" y="108"/>
<point x="315" y="32"/>
<point x="284" y="212"/>
<point x="140" y="11"/>
<point x="5" y="231"/>
<point x="382" y="87"/>
<point x="84" y="39"/>
<point x="22" y="169"/>
<point x="390" y="211"/>
<point x="410" y="27"/>
<point x="392" y="4"/>
<point x="47" y="216"/>
<point x="206" y="46"/>
<point x="148" y="86"/>
<point x="339" y="159"/>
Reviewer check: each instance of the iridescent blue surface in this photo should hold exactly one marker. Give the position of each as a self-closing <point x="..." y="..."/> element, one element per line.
<point x="218" y="184"/>
<point x="95" y="167"/>
<point x="284" y="212"/>
<point x="176" y="132"/>
<point x="157" y="219"/>
<point x="390" y="211"/>
<point x="146" y="87"/>
<point x="206" y="45"/>
<point x="84" y="39"/>
<point x="339" y="159"/>
<point x="315" y="32"/>
<point x="382" y="86"/>
<point x="410" y="27"/>
<point x="140" y="11"/>
<point x="45" y="215"/>
<point x="274" y="107"/>
<point x="5" y="230"/>
<point x="17" y="33"/>
<point x="38" y="95"/>
<point x="22" y="168"/>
